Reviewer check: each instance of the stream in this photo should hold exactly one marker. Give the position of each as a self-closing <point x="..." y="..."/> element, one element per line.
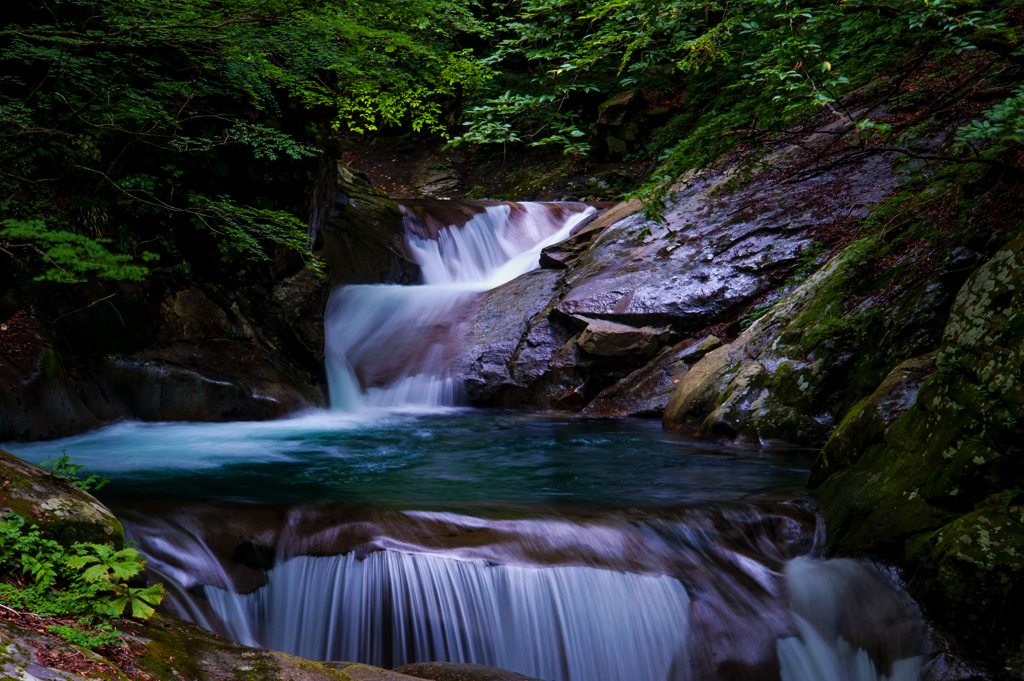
<point x="402" y="526"/>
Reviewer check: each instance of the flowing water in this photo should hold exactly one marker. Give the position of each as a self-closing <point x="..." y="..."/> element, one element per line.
<point x="399" y="527"/>
<point x="387" y="345"/>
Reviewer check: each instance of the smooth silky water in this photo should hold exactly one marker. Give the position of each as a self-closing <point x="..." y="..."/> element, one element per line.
<point x="401" y="527"/>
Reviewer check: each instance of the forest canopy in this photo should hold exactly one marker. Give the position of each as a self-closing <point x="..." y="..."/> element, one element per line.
<point x="122" y="121"/>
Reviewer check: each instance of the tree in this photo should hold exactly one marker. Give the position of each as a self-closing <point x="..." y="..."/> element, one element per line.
<point x="121" y="120"/>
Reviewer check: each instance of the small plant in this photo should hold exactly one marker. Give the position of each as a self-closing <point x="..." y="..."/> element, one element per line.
<point x="85" y="582"/>
<point x="65" y="469"/>
<point x="85" y="635"/>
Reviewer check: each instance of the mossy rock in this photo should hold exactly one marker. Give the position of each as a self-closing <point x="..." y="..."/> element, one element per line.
<point x="866" y="422"/>
<point x="822" y="350"/>
<point x="171" y="649"/>
<point x="62" y="511"/>
<point x="937" y="492"/>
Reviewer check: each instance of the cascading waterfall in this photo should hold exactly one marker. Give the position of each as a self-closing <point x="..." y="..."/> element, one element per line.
<point x="388" y="346"/>
<point x="702" y="596"/>
<point x="391" y="608"/>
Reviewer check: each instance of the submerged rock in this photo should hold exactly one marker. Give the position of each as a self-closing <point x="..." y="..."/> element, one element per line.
<point x="456" y="671"/>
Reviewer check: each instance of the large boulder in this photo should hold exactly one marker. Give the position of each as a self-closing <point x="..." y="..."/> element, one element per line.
<point x="724" y="246"/>
<point x="797" y="370"/>
<point x="60" y="510"/>
<point x="941" y="491"/>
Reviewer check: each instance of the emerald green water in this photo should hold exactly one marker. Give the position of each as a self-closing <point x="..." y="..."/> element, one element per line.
<point x="417" y="459"/>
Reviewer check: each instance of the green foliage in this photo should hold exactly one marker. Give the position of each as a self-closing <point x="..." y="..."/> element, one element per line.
<point x="748" y="71"/>
<point x="65" y="469"/>
<point x="88" y="582"/>
<point x="71" y="257"/>
<point x="86" y="635"/>
<point x="123" y="121"/>
<point x="1003" y="122"/>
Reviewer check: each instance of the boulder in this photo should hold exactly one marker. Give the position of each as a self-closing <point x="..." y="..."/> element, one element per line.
<point x="60" y="510"/>
<point x="647" y="391"/>
<point x="724" y="248"/>
<point x="941" y="492"/>
<point x="608" y="339"/>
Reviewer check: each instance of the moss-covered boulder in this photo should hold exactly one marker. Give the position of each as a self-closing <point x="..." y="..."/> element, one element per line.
<point x="456" y="671"/>
<point x="62" y="511"/>
<point x="166" y="649"/>
<point x="866" y="422"/>
<point x="823" y="347"/>
<point x="940" y="492"/>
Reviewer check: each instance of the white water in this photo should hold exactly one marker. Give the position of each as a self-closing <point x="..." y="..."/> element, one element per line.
<point x="387" y="346"/>
<point x="393" y="602"/>
<point x="392" y="608"/>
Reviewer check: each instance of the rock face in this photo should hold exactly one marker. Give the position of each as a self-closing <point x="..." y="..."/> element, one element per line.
<point x="364" y="240"/>
<point x="640" y="286"/>
<point x="60" y="510"/>
<point x="796" y="371"/>
<point x="938" y="490"/>
<point x="175" y="348"/>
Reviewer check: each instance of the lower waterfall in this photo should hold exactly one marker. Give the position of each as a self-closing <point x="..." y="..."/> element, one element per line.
<point x="390" y="609"/>
<point x="682" y="595"/>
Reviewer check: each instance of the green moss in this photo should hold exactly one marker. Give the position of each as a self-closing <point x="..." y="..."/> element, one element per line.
<point x="61" y="511"/>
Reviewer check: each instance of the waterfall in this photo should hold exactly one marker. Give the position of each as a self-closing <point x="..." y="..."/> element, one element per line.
<point x="391" y="608"/>
<point x="389" y="346"/>
<point x="690" y="595"/>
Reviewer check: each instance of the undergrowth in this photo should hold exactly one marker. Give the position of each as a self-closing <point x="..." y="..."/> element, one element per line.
<point x="83" y="586"/>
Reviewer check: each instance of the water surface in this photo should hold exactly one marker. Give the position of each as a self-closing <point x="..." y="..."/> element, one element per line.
<point x="429" y="458"/>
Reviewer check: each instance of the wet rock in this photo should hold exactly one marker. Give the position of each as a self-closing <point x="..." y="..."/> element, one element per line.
<point x="647" y="391"/>
<point x="211" y="380"/>
<point x="608" y="339"/>
<point x="826" y="345"/>
<point x="457" y="671"/>
<point x="364" y="240"/>
<point x="940" y="491"/>
<point x="513" y="354"/>
<point x="60" y="510"/>
<point x="37" y="399"/>
<point x="866" y="422"/>
<point x="716" y="253"/>
<point x="726" y="247"/>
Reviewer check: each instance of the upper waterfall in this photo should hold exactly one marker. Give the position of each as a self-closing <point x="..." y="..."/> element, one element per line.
<point x="388" y="345"/>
